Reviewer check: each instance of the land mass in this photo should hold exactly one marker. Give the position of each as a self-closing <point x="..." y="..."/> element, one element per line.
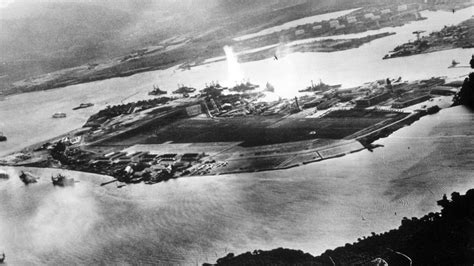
<point x="231" y="130"/>
<point x="281" y="50"/>
<point x="458" y="36"/>
<point x="180" y="45"/>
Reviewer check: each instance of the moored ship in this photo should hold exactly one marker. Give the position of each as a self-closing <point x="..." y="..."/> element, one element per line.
<point x="83" y="105"/>
<point x="2" y="137"/>
<point x="184" y="90"/>
<point x="321" y="87"/>
<point x="156" y="91"/>
<point x="28" y="178"/>
<point x="62" y="181"/>
<point x="244" y="87"/>
<point x="4" y="174"/>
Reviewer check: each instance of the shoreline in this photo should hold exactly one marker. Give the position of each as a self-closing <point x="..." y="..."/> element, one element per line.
<point x="325" y="152"/>
<point x="452" y="37"/>
<point x="188" y="54"/>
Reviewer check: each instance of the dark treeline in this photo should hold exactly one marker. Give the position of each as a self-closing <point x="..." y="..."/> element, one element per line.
<point x="465" y="96"/>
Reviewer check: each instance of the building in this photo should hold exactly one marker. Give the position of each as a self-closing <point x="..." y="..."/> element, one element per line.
<point x="123" y="159"/>
<point x="148" y="157"/>
<point x="312" y="103"/>
<point x="333" y="23"/>
<point x="401" y="8"/>
<point x="116" y="156"/>
<point x="327" y="104"/>
<point x="137" y="156"/>
<point x="410" y="100"/>
<point x="443" y="90"/>
<point x="299" y="32"/>
<point x="169" y="157"/>
<point x="194" y="110"/>
<point x="351" y="20"/>
<point x="191" y="157"/>
<point x="368" y="15"/>
<point x="373" y="99"/>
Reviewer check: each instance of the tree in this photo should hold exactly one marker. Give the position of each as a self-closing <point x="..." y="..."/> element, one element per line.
<point x="466" y="95"/>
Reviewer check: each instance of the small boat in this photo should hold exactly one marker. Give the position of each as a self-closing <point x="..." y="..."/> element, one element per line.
<point x="454" y="63"/>
<point x="156" y="91"/>
<point x="4" y="174"/>
<point x="433" y="109"/>
<point x="28" y="178"/>
<point x="83" y="105"/>
<point x="2" y="258"/>
<point x="59" y="115"/>
<point x="2" y="137"/>
<point x="62" y="181"/>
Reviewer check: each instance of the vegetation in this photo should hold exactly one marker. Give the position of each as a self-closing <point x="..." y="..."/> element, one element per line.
<point x="465" y="96"/>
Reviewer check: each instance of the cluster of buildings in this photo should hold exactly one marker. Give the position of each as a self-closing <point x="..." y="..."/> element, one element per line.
<point x="146" y="166"/>
<point x="403" y="94"/>
<point x="361" y="20"/>
<point x="452" y="36"/>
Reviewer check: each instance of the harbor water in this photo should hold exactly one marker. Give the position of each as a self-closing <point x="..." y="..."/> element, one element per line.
<point x="198" y="219"/>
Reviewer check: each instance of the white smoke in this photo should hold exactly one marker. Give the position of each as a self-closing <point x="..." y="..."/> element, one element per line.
<point x="235" y="73"/>
<point x="5" y="3"/>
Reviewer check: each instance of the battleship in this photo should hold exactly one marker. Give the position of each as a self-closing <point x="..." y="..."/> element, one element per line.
<point x="156" y="91"/>
<point x="3" y="174"/>
<point x="62" y="181"/>
<point x="28" y="178"/>
<point x="83" y="105"/>
<point x="321" y="87"/>
<point x="184" y="90"/>
<point x="212" y="90"/>
<point x="244" y="87"/>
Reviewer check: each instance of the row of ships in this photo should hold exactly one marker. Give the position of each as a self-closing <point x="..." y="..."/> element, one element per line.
<point x="28" y="178"/>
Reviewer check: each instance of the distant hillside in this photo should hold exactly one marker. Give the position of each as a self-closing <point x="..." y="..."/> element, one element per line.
<point x="42" y="36"/>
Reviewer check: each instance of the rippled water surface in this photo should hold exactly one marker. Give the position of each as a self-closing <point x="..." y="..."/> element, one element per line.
<point x="314" y="207"/>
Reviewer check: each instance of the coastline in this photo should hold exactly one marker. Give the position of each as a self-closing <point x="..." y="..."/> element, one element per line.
<point x="187" y="55"/>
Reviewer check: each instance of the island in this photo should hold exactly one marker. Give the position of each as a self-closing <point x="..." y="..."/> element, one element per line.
<point x="220" y="130"/>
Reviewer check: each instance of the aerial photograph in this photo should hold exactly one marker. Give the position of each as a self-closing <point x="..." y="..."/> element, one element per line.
<point x="237" y="132"/>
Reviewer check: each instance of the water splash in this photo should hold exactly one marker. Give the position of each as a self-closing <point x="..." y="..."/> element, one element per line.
<point x="235" y="73"/>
